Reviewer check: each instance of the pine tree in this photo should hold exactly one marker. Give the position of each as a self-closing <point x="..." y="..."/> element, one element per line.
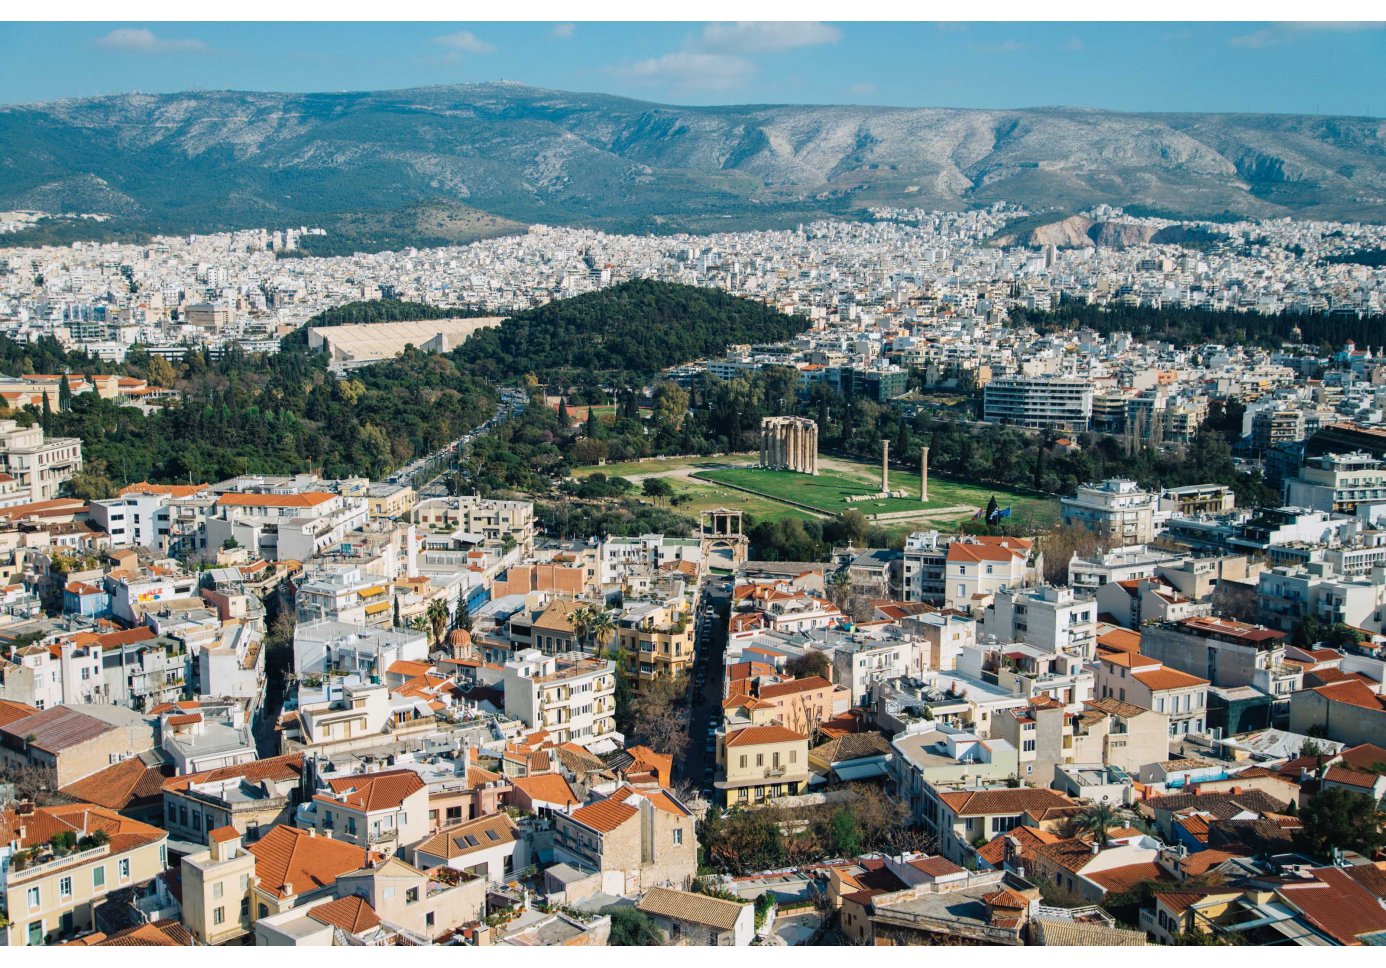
<point x="64" y="394"/>
<point x="564" y="420"/>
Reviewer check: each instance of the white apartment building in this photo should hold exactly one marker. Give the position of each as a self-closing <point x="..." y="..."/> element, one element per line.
<point x="1087" y="575"/>
<point x="1055" y="619"/>
<point x="346" y="595"/>
<point x="283" y="526"/>
<point x="132" y="597"/>
<point x="483" y="519"/>
<point x="572" y="696"/>
<point x="325" y="646"/>
<point x="865" y="660"/>
<point x="134" y="519"/>
<point x="622" y="558"/>
<point x="1116" y="510"/>
<point x="41" y="466"/>
<point x="1337" y="482"/>
<point x="1044" y="402"/>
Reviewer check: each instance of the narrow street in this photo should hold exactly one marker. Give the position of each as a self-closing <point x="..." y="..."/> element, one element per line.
<point x="698" y="766"/>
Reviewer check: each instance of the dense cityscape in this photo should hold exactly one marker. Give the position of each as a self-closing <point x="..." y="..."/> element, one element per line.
<point x="1008" y="574"/>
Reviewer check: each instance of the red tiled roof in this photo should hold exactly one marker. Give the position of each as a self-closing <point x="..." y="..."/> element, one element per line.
<point x="351" y="913"/>
<point x="1336" y="904"/>
<point x="981" y="803"/>
<point x="1354" y="692"/>
<point x="308" y="499"/>
<point x="546" y="787"/>
<point x="793" y="687"/>
<point x="121" y="786"/>
<point x="1119" y="879"/>
<point x="289" y="861"/>
<point x="276" y="768"/>
<point x="761" y="735"/>
<point x="604" y="816"/>
<point x="370" y="792"/>
<point x="1157" y="680"/>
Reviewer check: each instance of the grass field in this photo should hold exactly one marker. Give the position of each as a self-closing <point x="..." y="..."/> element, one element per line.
<point x="705" y="481"/>
<point x="707" y="496"/>
<point x="828" y="490"/>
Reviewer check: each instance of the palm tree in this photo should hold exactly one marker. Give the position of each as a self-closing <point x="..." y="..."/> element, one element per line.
<point x="580" y="619"/>
<point x="601" y="627"/>
<point x="437" y="615"/>
<point x="1095" y="820"/>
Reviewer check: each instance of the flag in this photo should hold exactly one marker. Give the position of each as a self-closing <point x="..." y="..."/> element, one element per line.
<point x="1003" y="513"/>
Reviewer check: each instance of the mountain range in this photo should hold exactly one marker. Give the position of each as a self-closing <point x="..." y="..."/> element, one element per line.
<point x="440" y="164"/>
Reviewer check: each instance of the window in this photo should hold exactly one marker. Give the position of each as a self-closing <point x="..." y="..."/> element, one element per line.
<point x="245" y="908"/>
<point x="65" y="888"/>
<point x="219" y="915"/>
<point x="411" y="896"/>
<point x="173" y="813"/>
<point x="428" y="920"/>
<point x="33" y="898"/>
<point x="760" y="759"/>
<point x="678" y="837"/>
<point x="98" y="877"/>
<point x="217" y="891"/>
<point x="264" y="910"/>
<point x="123" y="868"/>
<point x="743" y="761"/>
<point x="793" y="756"/>
<point x="1029" y="746"/>
<point x="245" y="883"/>
<point x="36" y="933"/>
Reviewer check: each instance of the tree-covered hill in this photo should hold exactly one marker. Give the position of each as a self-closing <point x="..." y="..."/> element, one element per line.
<point x="638" y="327"/>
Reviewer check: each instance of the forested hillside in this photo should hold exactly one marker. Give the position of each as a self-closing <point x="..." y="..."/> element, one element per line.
<point x="638" y="327"/>
<point x="286" y="413"/>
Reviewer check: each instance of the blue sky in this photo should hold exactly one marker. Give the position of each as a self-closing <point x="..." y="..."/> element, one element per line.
<point x="1320" y="69"/>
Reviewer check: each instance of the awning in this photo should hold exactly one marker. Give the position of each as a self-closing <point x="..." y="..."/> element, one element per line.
<point x="377" y="608"/>
<point x="860" y="771"/>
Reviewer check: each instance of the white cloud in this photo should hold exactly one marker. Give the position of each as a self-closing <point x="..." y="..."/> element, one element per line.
<point x="464" y="41"/>
<point x="751" y="36"/>
<point x="862" y="89"/>
<point x="692" y="70"/>
<point x="564" y="30"/>
<point x="143" y="41"/>
<point x="1284" y="33"/>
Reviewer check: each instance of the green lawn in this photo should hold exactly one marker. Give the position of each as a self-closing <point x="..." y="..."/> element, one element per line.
<point x="706" y="496"/>
<point x="828" y="490"/>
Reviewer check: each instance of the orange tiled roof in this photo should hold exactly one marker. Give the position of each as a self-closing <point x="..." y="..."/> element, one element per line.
<point x="794" y="686"/>
<point x="351" y="913"/>
<point x="276" y="768"/>
<point x="122" y="785"/>
<point x="289" y="861"/>
<point x="546" y="787"/>
<point x="981" y="803"/>
<point x="308" y="499"/>
<point x="1167" y="678"/>
<point x="370" y="792"/>
<point x="759" y="735"/>
<point x="604" y="816"/>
